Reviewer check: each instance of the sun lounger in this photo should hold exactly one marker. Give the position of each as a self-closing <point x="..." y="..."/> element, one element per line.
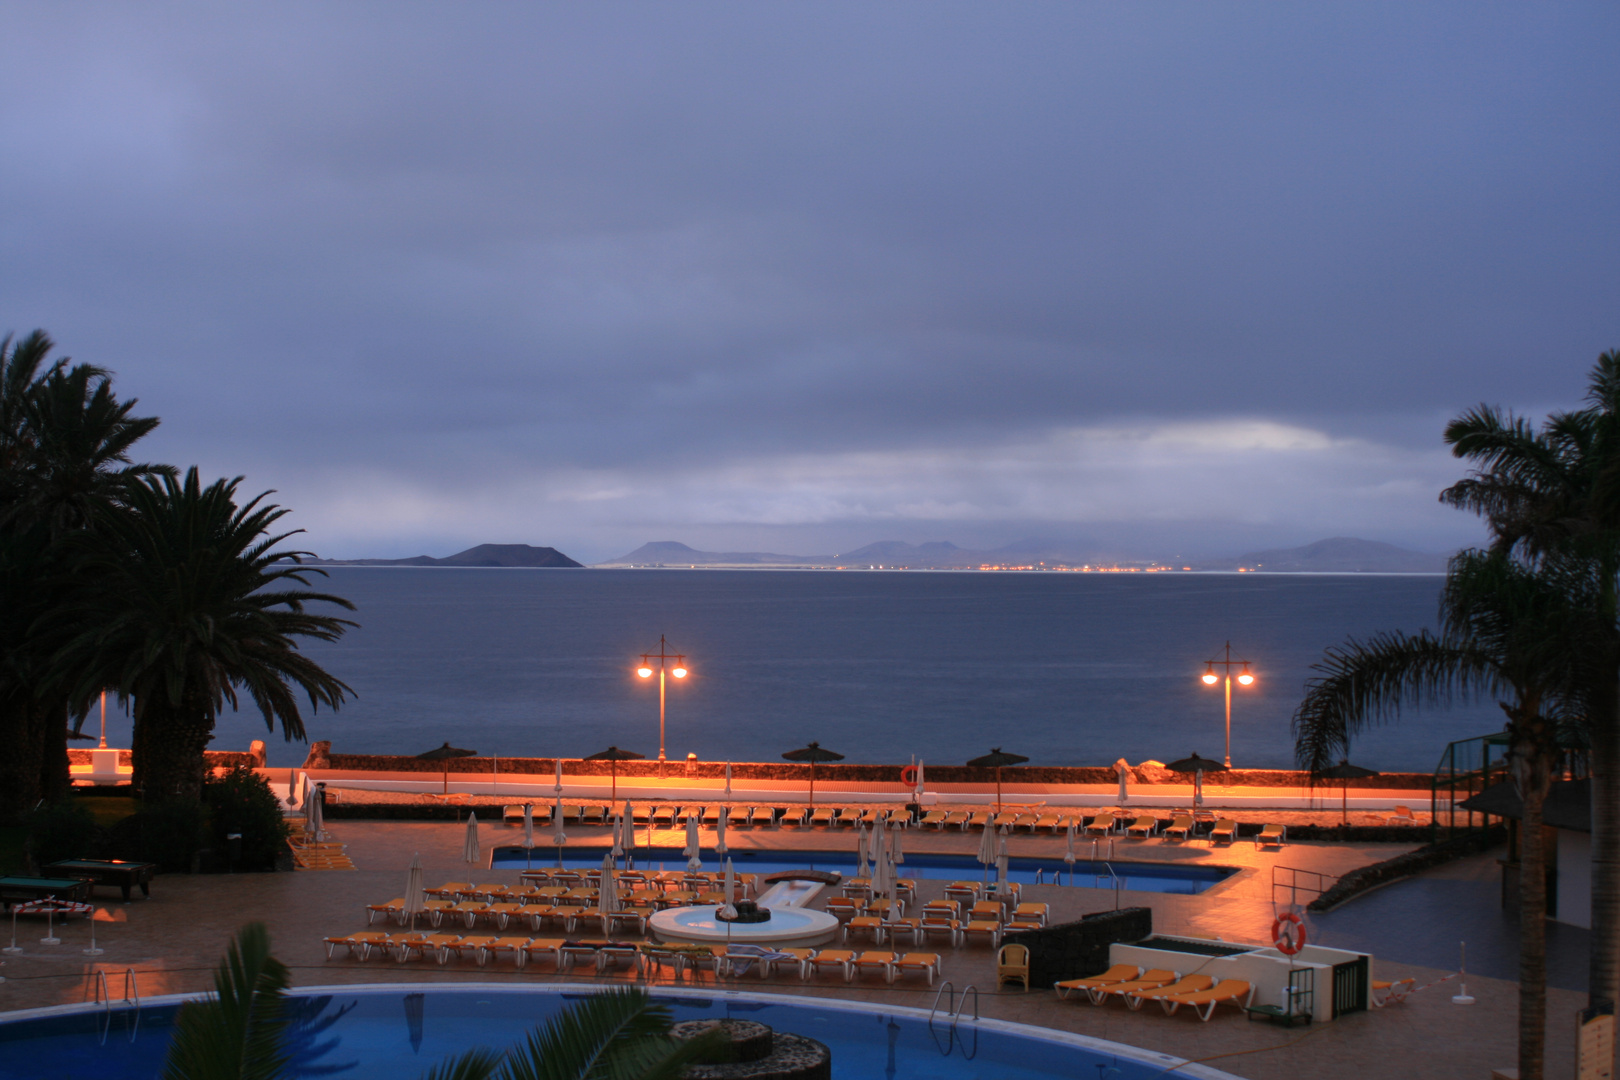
<point x="360" y="944"/>
<point x="1028" y="821"/>
<point x="906" y="888"/>
<point x="1144" y="826"/>
<point x="965" y="891"/>
<point x="987" y="909"/>
<point x="959" y="818"/>
<point x="1187" y="984"/>
<point x="434" y="910"/>
<point x="437" y="946"/>
<point x="948" y="908"/>
<point x="392" y="909"/>
<point x="909" y="924"/>
<point x="711" y="815"/>
<point x="468" y="911"/>
<point x="572" y="811"/>
<point x="543" y="947"/>
<point x="1101" y="825"/>
<point x="989" y="929"/>
<point x="942" y="924"/>
<point x="476" y="946"/>
<point x="1008" y="892"/>
<point x="449" y="889"/>
<point x="798" y="958"/>
<point x="1227" y="991"/>
<point x="1224" y="829"/>
<point x="1046" y="821"/>
<point x="631" y="916"/>
<point x="1035" y="913"/>
<point x="977" y="820"/>
<point x="513" y="946"/>
<point x="795" y="815"/>
<point x="1271" y="836"/>
<point x="1180" y="824"/>
<point x="935" y="818"/>
<point x="1006" y="817"/>
<point x="1391" y="993"/>
<point x="843" y="907"/>
<point x="618" y="952"/>
<point x="1402" y="815"/>
<point x="926" y="962"/>
<point x="512" y="815"/>
<point x="825" y="815"/>
<point x="870" y="924"/>
<point x="663" y="815"/>
<point x="1148" y="980"/>
<point x="503" y="912"/>
<point x="738" y="816"/>
<point x="593" y="815"/>
<point x="841" y="960"/>
<point x="877" y="960"/>
<point x="763" y="817"/>
<point x="1117" y="974"/>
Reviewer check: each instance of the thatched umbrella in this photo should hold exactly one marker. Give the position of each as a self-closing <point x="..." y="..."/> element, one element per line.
<point x="445" y="753"/>
<point x="1198" y="766"/>
<point x="997" y="758"/>
<point x="1346" y="772"/>
<point x="812" y="753"/>
<point x="615" y="755"/>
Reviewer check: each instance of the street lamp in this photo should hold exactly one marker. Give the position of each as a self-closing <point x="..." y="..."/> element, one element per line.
<point x="1245" y="678"/>
<point x="646" y="672"/>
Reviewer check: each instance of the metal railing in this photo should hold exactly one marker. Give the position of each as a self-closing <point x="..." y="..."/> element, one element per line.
<point x="954" y="1010"/>
<point x="1118" y="884"/>
<point x="132" y="996"/>
<point x="1313" y="883"/>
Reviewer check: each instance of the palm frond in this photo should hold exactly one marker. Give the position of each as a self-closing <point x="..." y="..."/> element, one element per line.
<point x="237" y="1033"/>
<point x="479" y="1063"/>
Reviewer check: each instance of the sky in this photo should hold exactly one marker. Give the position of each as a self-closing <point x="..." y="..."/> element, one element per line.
<point x="1160" y="279"/>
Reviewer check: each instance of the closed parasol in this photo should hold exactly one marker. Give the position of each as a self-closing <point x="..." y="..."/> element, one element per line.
<point x="528" y="832"/>
<point x="1123" y="768"/>
<point x="882" y="868"/>
<point x="1068" y="849"/>
<point x="997" y="759"/>
<point x="558" y="837"/>
<point x="728" y="909"/>
<point x="720" y="847"/>
<point x="414" y="896"/>
<point x="862" y="851"/>
<point x="813" y="753"/>
<point x="1001" y="866"/>
<point x="615" y="755"/>
<point x="987" y="849"/>
<point x="470" y="850"/>
<point x="445" y="753"/>
<point x="692" y="851"/>
<point x="607" y="897"/>
<point x="1198" y="766"/>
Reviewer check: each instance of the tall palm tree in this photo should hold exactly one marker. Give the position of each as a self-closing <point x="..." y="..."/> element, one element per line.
<point x="1555" y="493"/>
<point x="183" y="603"/>
<point x="1505" y="632"/>
<point x="64" y="459"/>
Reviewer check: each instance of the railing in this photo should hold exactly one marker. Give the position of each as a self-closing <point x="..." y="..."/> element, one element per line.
<point x="132" y="995"/>
<point x="954" y="1010"/>
<point x="1118" y="884"/>
<point x="1097" y="840"/>
<point x="1313" y="883"/>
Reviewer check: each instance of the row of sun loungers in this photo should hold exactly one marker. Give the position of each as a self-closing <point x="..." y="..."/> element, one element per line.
<point x="1170" y="989"/>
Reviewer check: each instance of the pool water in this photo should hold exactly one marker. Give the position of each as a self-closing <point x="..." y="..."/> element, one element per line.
<point x="389" y="1033"/>
<point x="1140" y="876"/>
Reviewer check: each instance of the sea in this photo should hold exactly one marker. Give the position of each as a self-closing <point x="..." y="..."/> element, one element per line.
<point x="880" y="666"/>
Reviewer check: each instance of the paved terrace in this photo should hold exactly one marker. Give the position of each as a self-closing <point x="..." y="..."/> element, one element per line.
<point x="175" y="939"/>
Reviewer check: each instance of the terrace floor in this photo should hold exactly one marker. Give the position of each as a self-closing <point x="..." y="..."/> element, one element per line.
<point x="175" y="939"/>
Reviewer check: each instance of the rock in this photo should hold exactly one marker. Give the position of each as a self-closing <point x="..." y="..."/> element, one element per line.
<point x="784" y="1056"/>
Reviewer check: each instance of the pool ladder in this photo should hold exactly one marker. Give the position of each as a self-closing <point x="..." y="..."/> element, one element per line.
<point x="1117" y="882"/>
<point x="132" y="995"/>
<point x="954" y="1010"/>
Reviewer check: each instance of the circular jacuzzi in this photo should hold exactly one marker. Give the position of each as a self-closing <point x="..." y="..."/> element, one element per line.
<point x="788" y="927"/>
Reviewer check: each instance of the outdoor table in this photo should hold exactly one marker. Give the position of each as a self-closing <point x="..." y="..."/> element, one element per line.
<point x="13" y="889"/>
<point x="120" y="873"/>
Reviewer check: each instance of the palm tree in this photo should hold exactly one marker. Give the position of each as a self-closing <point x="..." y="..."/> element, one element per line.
<point x="64" y="459"/>
<point x="240" y="1033"/>
<point x="1555" y="493"/>
<point x="1505" y="630"/>
<point x="178" y="610"/>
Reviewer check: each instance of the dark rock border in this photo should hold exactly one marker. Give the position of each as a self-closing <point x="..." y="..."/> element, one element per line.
<point x="1427" y="857"/>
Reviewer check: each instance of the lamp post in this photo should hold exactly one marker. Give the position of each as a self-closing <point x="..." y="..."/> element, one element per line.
<point x="1245" y="678"/>
<point x="646" y="672"/>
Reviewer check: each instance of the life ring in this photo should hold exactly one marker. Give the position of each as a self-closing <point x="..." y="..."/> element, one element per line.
<point x="1288" y="933"/>
<point x="908" y="776"/>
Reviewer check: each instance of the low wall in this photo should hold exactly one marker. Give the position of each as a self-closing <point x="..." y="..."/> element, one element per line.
<point x="217" y="759"/>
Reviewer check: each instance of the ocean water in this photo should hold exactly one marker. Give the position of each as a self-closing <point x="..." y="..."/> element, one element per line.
<point x="1068" y="669"/>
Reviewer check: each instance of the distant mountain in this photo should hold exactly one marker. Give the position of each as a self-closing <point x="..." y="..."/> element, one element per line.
<point x="1340" y="555"/>
<point x="672" y="553"/>
<point x="936" y="554"/>
<point x="509" y="555"/>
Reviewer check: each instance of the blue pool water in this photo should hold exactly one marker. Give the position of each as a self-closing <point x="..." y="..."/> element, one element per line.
<point x="1142" y="877"/>
<point x="394" y="1032"/>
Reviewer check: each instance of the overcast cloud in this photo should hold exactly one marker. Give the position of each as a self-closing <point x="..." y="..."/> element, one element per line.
<point x="1193" y="278"/>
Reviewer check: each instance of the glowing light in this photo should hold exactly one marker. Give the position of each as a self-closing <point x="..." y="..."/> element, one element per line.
<point x="1211" y="678"/>
<point x="679" y="673"/>
<point x="1245" y="677"/>
<point x="644" y="672"/>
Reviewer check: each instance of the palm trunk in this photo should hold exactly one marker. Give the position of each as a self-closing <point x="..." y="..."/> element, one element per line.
<point x="55" y="781"/>
<point x="1603" y="972"/>
<point x="1533" y="925"/>
<point x="22" y="735"/>
<point x="169" y="744"/>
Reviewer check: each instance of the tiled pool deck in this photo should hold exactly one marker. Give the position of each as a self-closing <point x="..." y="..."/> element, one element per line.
<point x="1412" y="928"/>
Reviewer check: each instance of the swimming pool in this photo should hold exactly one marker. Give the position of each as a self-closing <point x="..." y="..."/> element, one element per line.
<point x="1140" y="876"/>
<point x="391" y="1031"/>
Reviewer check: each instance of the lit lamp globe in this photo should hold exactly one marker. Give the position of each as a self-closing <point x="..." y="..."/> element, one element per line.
<point x="679" y="672"/>
<point x="1210" y="678"/>
<point x="1244" y="677"/>
<point x="644" y="672"/>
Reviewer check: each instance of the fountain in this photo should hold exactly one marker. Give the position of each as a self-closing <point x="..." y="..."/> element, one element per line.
<point x="779" y="919"/>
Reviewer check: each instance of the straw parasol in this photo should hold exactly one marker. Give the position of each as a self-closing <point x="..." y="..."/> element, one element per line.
<point x="414" y="899"/>
<point x="470" y="851"/>
<point x="987" y="848"/>
<point x="445" y="753"/>
<point x="1198" y="766"/>
<point x="615" y="755"/>
<point x="997" y="759"/>
<point x="1346" y="772"/>
<point x="693" y="852"/>
<point x="812" y="753"/>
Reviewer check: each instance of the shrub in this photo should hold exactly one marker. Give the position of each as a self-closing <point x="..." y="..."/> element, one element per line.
<point x="241" y="802"/>
<point x="64" y="829"/>
<point x="169" y="834"/>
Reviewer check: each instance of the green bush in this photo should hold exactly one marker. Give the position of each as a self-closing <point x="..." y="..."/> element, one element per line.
<point x="64" y="829"/>
<point x="169" y="834"/>
<point x="241" y="802"/>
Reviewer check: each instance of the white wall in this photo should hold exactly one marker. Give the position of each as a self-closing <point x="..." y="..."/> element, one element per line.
<point x="1574" y="879"/>
<point x="1265" y="969"/>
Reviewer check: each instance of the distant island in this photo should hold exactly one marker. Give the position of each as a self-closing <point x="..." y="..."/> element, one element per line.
<point x="1339" y="555"/>
<point x="507" y="555"/>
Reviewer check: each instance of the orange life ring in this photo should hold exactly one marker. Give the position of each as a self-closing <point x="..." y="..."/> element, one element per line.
<point x="908" y="776"/>
<point x="1288" y="933"/>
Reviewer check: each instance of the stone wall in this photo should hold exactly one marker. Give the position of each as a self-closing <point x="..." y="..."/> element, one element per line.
<point x="1078" y="950"/>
